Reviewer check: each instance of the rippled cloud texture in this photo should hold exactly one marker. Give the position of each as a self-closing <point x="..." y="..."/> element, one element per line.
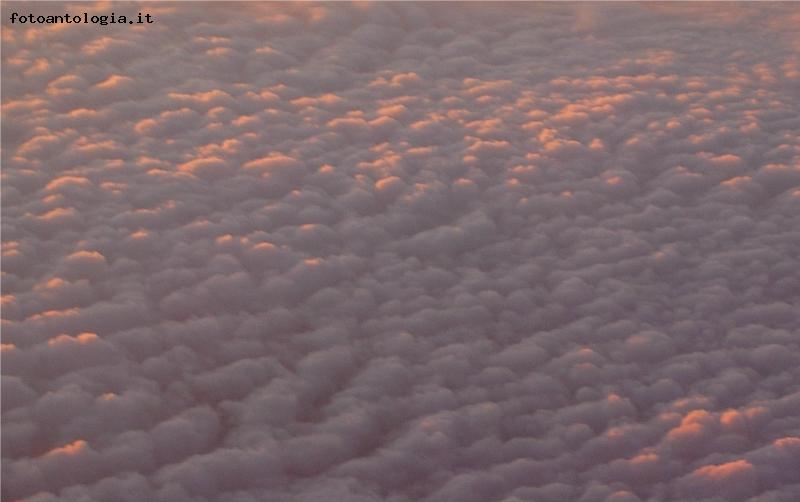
<point x="400" y="252"/>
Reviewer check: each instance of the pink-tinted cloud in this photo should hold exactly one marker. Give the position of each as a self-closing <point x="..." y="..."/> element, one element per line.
<point x="388" y="251"/>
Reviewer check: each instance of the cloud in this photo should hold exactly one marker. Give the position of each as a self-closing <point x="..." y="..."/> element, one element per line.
<point x="402" y="252"/>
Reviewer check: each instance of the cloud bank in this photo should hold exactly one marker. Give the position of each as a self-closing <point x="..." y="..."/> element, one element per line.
<point x="404" y="251"/>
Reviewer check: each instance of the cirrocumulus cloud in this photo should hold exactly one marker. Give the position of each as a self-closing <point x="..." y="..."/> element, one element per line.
<point x="402" y="251"/>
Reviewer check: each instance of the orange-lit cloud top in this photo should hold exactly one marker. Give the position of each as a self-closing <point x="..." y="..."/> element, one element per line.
<point x="402" y="251"/>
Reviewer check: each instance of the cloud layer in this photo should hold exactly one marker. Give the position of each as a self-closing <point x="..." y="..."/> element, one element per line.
<point x="403" y="251"/>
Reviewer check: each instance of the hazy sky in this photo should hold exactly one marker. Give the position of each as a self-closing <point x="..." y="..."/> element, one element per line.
<point x="402" y="252"/>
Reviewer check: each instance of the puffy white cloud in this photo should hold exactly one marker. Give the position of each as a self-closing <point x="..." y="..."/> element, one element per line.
<point x="402" y="252"/>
